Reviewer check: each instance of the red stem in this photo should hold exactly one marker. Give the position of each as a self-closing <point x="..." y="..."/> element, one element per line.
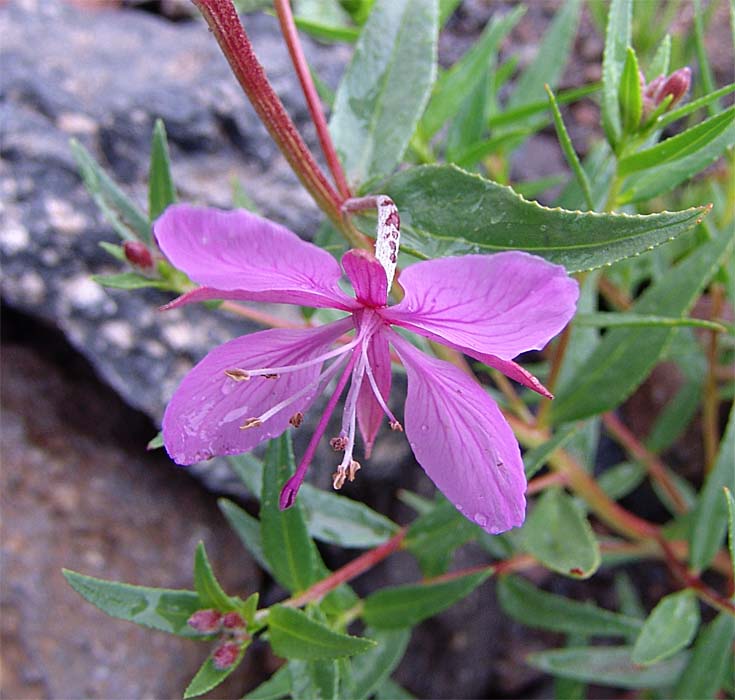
<point x="225" y="24"/>
<point x="288" y="28"/>
<point x="356" y="567"/>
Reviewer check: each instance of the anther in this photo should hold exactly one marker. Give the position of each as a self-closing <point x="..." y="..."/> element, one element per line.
<point x="296" y="419"/>
<point x="396" y="426"/>
<point x="353" y="469"/>
<point x="251" y="423"/>
<point x="271" y="376"/>
<point x="338" y="444"/>
<point x="239" y="375"/>
<point x="338" y="478"/>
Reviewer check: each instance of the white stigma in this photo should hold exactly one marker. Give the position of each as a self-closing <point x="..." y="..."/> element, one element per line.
<point x="387" y="236"/>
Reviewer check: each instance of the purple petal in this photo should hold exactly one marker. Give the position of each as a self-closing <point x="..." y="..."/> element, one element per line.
<point x="499" y="305"/>
<point x="242" y="256"/>
<point x="367" y="276"/>
<point x="369" y="413"/>
<point x="462" y="441"/>
<point x="514" y="371"/>
<point x="204" y="416"/>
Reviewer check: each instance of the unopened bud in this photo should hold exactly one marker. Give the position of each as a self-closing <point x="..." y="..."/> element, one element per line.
<point x="232" y="620"/>
<point x="676" y="85"/>
<point x="225" y="655"/>
<point x="138" y="254"/>
<point x="206" y="621"/>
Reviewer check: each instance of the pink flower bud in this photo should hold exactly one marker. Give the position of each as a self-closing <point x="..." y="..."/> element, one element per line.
<point x="676" y="85"/>
<point x="232" y="620"/>
<point x="206" y="621"/>
<point x="225" y="655"/>
<point x="138" y="254"/>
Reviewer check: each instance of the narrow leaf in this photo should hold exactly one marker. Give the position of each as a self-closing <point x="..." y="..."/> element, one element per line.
<point x="617" y="40"/>
<point x="371" y="669"/>
<point x="293" y="635"/>
<point x="630" y="96"/>
<point x="709" y="518"/>
<point x="314" y="680"/>
<point x="247" y="528"/>
<point x="731" y="525"/>
<point x="536" y="608"/>
<point x="690" y="107"/>
<point x="447" y="211"/>
<point x="158" y="608"/>
<point x="210" y="592"/>
<point x="705" y="673"/>
<point x="535" y="459"/>
<point x="161" y="190"/>
<point x="558" y="534"/>
<point x="608" y="319"/>
<point x="404" y="606"/>
<point x="385" y="87"/>
<point x="612" y="666"/>
<point x="209" y="676"/>
<point x="668" y="629"/>
<point x="129" y="280"/>
<point x="276" y="687"/>
<point x="625" y="356"/>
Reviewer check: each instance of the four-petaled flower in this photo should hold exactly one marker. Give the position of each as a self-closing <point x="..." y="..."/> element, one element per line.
<point x="490" y="307"/>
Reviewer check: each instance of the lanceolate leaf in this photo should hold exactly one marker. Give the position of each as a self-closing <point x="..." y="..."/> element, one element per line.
<point x="293" y="635"/>
<point x="625" y="356"/>
<point x="607" y="666"/>
<point x="209" y="676"/>
<point x="617" y="40"/>
<point x="158" y="608"/>
<point x="536" y="608"/>
<point x="558" y="534"/>
<point x="710" y="513"/>
<point x="404" y="606"/>
<point x="630" y="97"/>
<point x="447" y="211"/>
<point x="210" y="592"/>
<point x="161" y="191"/>
<point x="371" y="669"/>
<point x="385" y="87"/>
<point x="668" y="629"/>
<point x="247" y="528"/>
<point x="276" y="687"/>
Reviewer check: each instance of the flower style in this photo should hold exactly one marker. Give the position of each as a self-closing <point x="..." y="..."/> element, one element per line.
<point x="490" y="307"/>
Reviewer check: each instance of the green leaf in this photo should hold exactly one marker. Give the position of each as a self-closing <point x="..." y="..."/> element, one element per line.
<point x="155" y="443"/>
<point x="276" y="687"/>
<point x="617" y="40"/>
<point x="551" y="58"/>
<point x="390" y="690"/>
<point x="314" y="680"/>
<point x="404" y="606"/>
<point x="558" y="534"/>
<point x="453" y="85"/>
<point x="157" y="608"/>
<point x="630" y="96"/>
<point x="286" y="542"/>
<point x="611" y="666"/>
<point x="704" y="675"/>
<point x="327" y="32"/>
<point x="122" y="214"/>
<point x="210" y="592"/>
<point x="385" y="87"/>
<point x="293" y="635"/>
<point x="681" y="160"/>
<point x="625" y="356"/>
<point x="208" y="676"/>
<point x="618" y="481"/>
<point x="536" y="608"/>
<point x="129" y="280"/>
<point x="117" y="251"/>
<point x="668" y="629"/>
<point x="433" y="536"/>
<point x="628" y="597"/>
<point x="685" y="110"/>
<point x="569" y="152"/>
<point x="660" y="62"/>
<point x="161" y="190"/>
<point x="731" y="526"/>
<point x="247" y="528"/>
<point x="447" y="211"/>
<point x="609" y="319"/>
<point x="709" y="517"/>
<point x="371" y="669"/>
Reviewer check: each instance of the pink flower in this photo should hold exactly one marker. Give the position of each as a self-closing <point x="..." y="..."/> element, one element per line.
<point x="490" y="307"/>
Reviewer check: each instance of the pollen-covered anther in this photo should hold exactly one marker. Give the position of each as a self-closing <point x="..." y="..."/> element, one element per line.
<point x="395" y="426"/>
<point x="296" y="419"/>
<point x="338" y="444"/>
<point x="251" y="423"/>
<point x="239" y="375"/>
<point x="353" y="469"/>
<point x="271" y="376"/>
<point x="339" y="477"/>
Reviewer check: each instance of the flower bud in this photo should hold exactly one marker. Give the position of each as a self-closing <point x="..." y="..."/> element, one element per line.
<point x="138" y="254"/>
<point x="232" y="620"/>
<point x="225" y="655"/>
<point x="676" y="85"/>
<point x="206" y="621"/>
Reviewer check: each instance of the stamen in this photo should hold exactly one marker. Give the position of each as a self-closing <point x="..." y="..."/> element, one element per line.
<point x="339" y="443"/>
<point x="291" y="487"/>
<point x="271" y="376"/>
<point x="338" y="479"/>
<point x="239" y="375"/>
<point x="296" y="419"/>
<point x="394" y="422"/>
<point x="353" y="469"/>
<point x="251" y="423"/>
